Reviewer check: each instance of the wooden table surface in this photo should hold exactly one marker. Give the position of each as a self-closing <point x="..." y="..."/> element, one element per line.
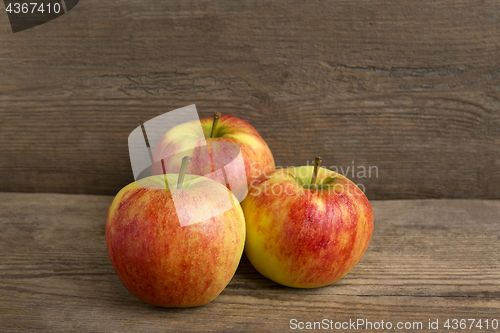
<point x="428" y="259"/>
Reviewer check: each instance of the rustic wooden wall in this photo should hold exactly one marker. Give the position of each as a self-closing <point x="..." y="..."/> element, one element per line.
<point x="409" y="87"/>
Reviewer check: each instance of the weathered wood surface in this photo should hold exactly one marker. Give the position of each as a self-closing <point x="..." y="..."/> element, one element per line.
<point x="428" y="259"/>
<point x="409" y="87"/>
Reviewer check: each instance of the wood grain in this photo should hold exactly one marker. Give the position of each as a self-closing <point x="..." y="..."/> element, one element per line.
<point x="428" y="259"/>
<point x="411" y="88"/>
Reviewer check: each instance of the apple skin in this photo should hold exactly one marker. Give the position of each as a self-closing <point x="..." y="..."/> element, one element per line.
<point x="163" y="263"/>
<point x="256" y="154"/>
<point x="301" y="237"/>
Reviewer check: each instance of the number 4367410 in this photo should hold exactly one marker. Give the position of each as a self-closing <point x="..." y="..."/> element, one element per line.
<point x="463" y="324"/>
<point x="33" y="8"/>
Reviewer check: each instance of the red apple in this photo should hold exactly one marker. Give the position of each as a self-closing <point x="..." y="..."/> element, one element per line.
<point x="216" y="137"/>
<point x="306" y="227"/>
<point x="178" y="247"/>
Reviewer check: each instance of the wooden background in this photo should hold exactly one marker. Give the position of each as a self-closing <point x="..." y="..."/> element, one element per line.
<point x="409" y="87"/>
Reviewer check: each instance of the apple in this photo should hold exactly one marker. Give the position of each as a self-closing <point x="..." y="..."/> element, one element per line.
<point x="307" y="227"/>
<point x="175" y="247"/>
<point x="215" y="137"/>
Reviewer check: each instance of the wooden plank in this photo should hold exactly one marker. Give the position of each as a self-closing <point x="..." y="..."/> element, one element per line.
<point x="409" y="88"/>
<point x="428" y="259"/>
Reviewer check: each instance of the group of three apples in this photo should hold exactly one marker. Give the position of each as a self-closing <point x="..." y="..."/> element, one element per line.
<point x="179" y="245"/>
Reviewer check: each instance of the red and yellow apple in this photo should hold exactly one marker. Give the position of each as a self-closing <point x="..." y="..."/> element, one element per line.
<point x="179" y="247"/>
<point x="307" y="226"/>
<point x="202" y="144"/>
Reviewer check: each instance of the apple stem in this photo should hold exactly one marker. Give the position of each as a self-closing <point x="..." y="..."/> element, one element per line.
<point x="182" y="171"/>
<point x="164" y="174"/>
<point x="317" y="163"/>
<point x="214" y="125"/>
